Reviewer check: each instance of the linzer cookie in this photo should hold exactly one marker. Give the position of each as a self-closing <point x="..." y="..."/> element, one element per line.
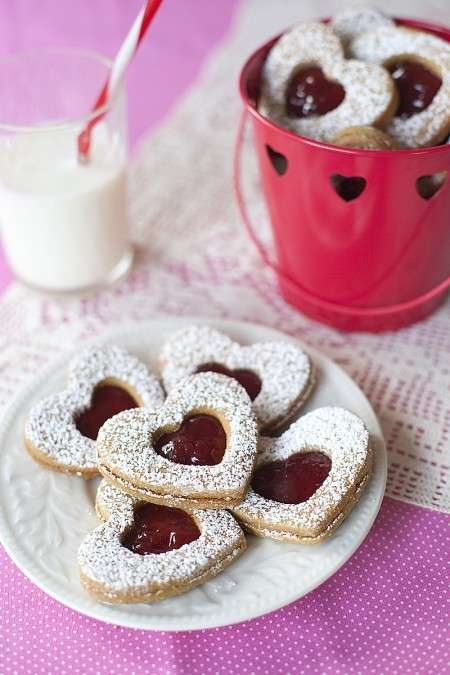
<point x="353" y="21"/>
<point x="368" y="138"/>
<point x="307" y="481"/>
<point x="61" y="430"/>
<point x="420" y="66"/>
<point x="278" y="376"/>
<point x="310" y="88"/>
<point x="195" y="451"/>
<point x="145" y="552"/>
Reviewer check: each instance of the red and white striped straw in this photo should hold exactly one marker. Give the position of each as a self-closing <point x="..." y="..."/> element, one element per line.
<point x="121" y="62"/>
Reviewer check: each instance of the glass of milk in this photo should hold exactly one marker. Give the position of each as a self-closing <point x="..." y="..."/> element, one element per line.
<point x="63" y="223"/>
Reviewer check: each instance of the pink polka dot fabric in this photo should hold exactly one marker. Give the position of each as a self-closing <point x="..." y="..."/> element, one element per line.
<point x="385" y="611"/>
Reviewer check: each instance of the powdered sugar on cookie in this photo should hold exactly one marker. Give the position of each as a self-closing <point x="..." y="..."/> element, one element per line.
<point x="432" y="125"/>
<point x="285" y="370"/>
<point x="125" y="447"/>
<point x="353" y="21"/>
<point x="116" y="574"/>
<point x="51" y="434"/>
<point x="370" y="97"/>
<point x="337" y="433"/>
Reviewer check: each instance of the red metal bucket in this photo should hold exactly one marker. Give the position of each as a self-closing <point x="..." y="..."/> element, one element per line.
<point x="377" y="262"/>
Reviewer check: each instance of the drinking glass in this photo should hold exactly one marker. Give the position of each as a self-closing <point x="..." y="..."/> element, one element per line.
<point x="63" y="222"/>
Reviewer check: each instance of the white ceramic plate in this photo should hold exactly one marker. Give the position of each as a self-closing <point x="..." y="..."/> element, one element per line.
<point x="44" y="514"/>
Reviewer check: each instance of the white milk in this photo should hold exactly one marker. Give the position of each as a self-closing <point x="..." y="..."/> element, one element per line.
<point x="64" y="225"/>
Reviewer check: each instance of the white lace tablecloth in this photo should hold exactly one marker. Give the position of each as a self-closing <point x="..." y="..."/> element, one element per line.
<point x="194" y="258"/>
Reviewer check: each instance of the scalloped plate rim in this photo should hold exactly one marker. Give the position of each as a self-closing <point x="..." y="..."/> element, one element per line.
<point x="102" y="612"/>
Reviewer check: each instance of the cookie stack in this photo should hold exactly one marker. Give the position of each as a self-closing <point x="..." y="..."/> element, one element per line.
<point x="184" y="476"/>
<point x="361" y="81"/>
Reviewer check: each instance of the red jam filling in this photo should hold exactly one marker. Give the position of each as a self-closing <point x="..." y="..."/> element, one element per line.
<point x="416" y="85"/>
<point x="247" y="378"/>
<point x="310" y="94"/>
<point x="107" y="400"/>
<point x="158" y="529"/>
<point x="200" y="440"/>
<point x="292" y="480"/>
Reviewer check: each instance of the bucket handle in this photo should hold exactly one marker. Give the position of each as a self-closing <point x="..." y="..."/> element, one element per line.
<point x="307" y="296"/>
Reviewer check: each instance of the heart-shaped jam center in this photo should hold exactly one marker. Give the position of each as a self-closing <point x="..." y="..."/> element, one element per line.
<point x="416" y="85"/>
<point x="310" y="93"/>
<point x="200" y="440"/>
<point x="247" y="378"/>
<point x="158" y="529"/>
<point x="292" y="480"/>
<point x="107" y="400"/>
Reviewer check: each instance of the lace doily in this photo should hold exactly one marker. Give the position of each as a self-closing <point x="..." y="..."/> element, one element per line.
<point x="195" y="257"/>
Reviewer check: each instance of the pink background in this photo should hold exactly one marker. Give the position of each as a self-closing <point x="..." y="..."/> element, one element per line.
<point x="383" y="612"/>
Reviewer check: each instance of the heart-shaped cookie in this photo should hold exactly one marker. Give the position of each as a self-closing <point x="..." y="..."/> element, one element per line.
<point x="145" y="552"/>
<point x="278" y="376"/>
<point x="173" y="455"/>
<point x="307" y="481"/>
<point x="420" y="65"/>
<point x="367" y="138"/>
<point x="60" y="431"/>
<point x="351" y="22"/>
<point x="309" y="87"/>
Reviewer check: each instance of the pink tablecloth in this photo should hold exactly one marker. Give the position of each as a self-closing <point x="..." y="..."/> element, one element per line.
<point x="384" y="612"/>
<point x="374" y="616"/>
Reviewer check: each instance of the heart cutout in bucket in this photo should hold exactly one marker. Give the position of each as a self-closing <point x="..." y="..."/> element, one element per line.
<point x="348" y="187"/>
<point x="427" y="186"/>
<point x="278" y="161"/>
